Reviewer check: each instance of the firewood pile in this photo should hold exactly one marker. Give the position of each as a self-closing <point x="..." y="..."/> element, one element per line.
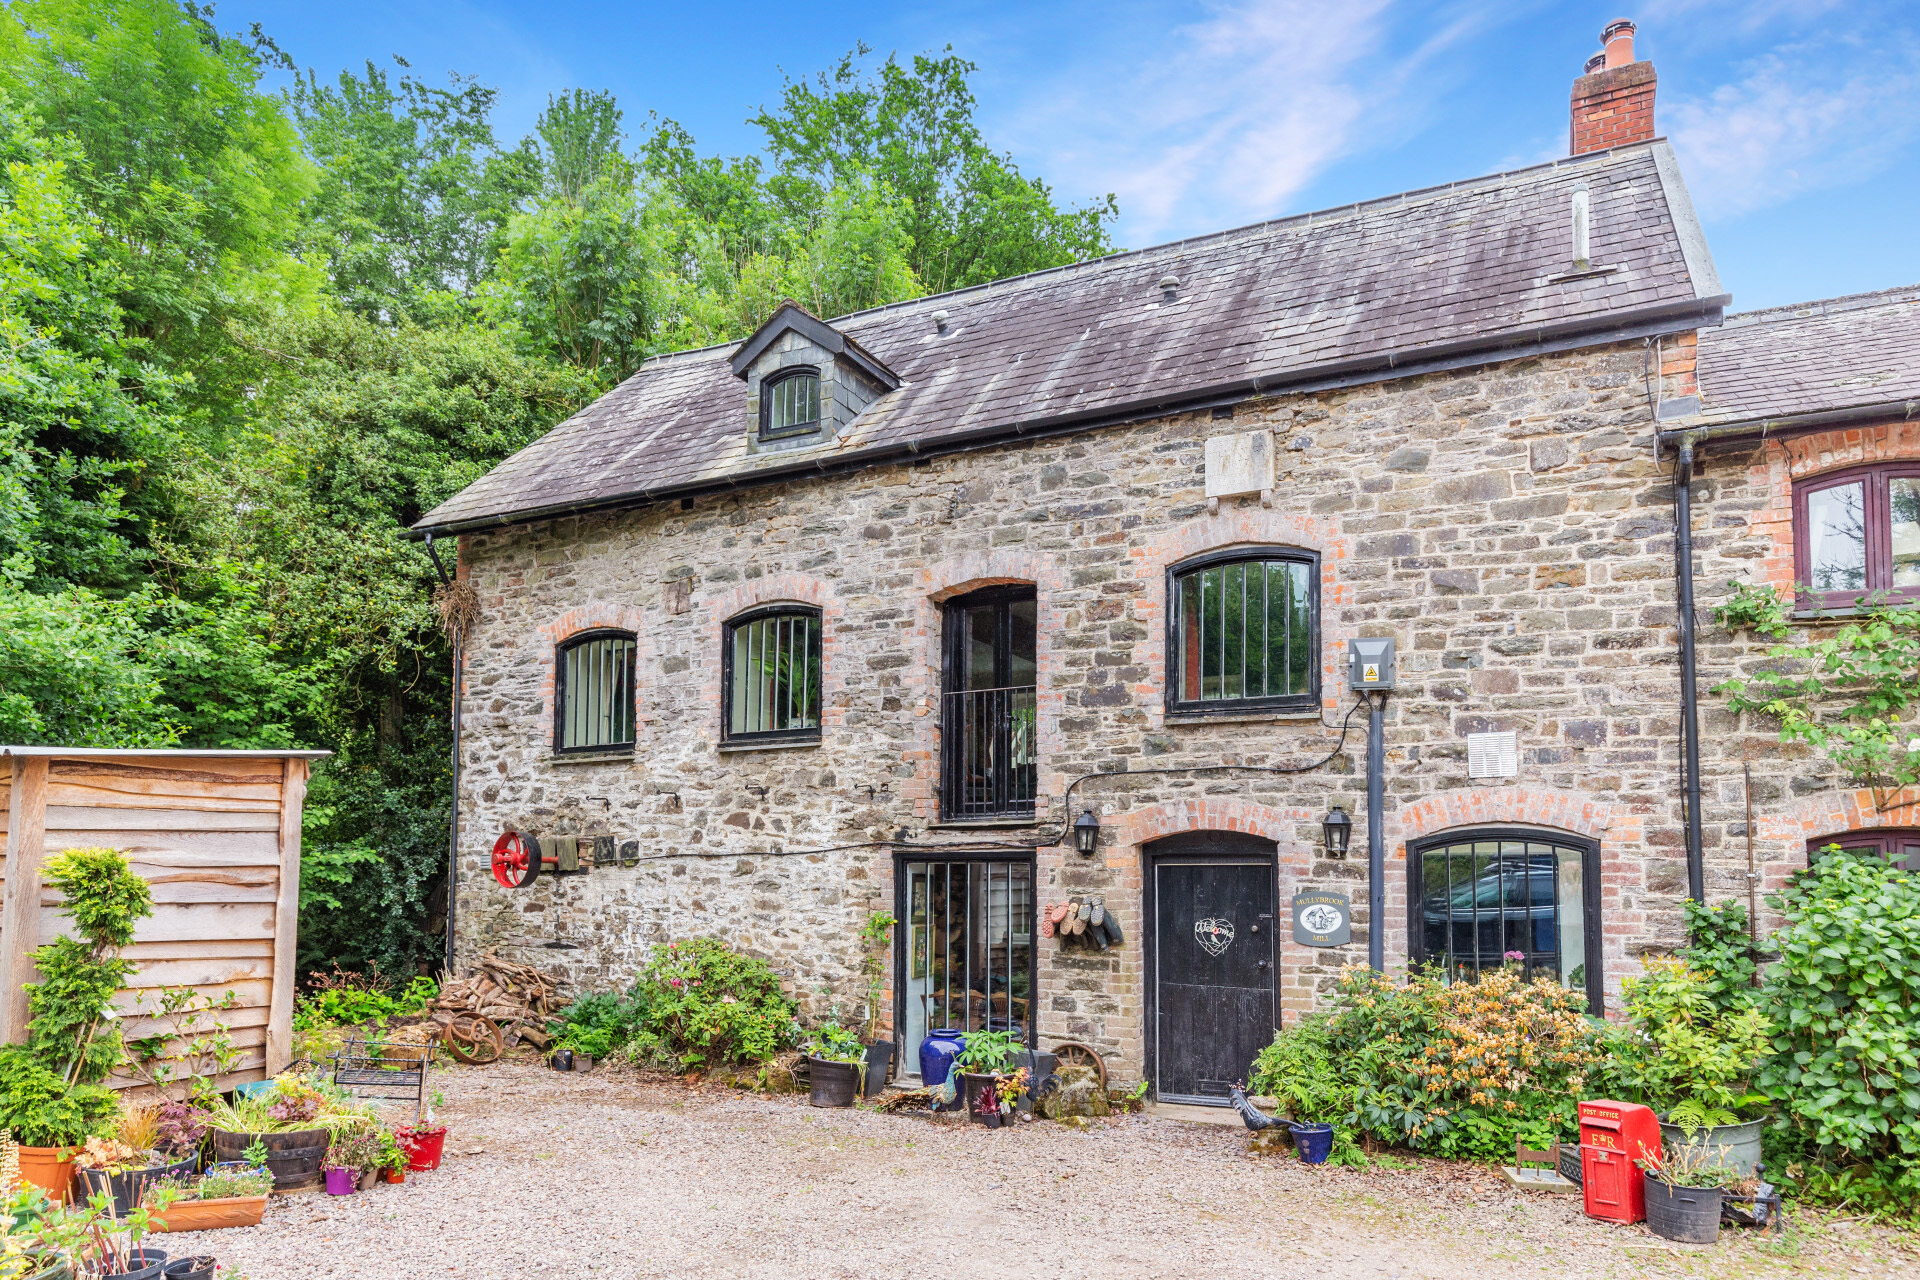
<point x="517" y="998"/>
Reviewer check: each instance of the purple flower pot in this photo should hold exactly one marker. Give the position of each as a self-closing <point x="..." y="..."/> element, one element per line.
<point x="340" y="1182"/>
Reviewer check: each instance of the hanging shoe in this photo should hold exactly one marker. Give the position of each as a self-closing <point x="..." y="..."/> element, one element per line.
<point x="1099" y="916"/>
<point x="1069" y="926"/>
<point x="1081" y="918"/>
<point x="1112" y="929"/>
<point x="1046" y="921"/>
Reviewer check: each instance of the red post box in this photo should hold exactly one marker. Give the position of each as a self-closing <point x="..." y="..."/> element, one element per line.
<point x="1612" y="1136"/>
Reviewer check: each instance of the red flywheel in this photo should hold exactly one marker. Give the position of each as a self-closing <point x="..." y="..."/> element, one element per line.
<point x="516" y="860"/>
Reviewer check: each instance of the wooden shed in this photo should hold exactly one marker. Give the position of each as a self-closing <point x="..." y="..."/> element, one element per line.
<point x="217" y="836"/>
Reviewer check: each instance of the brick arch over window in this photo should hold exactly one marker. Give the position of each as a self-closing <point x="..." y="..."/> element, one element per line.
<point x="948" y="579"/>
<point x="1248" y="526"/>
<point x="1613" y="826"/>
<point x="777" y="588"/>
<point x="597" y="617"/>
<point x="1783" y="462"/>
<point x="1785" y="832"/>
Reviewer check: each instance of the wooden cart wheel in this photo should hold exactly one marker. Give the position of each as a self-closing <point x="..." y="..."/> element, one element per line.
<point x="474" y="1040"/>
<point x="1074" y="1054"/>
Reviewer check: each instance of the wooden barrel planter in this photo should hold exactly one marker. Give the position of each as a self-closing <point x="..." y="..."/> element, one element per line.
<point x="294" y="1158"/>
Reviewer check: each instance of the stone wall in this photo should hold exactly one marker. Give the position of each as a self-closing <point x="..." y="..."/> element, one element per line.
<point x="1509" y="526"/>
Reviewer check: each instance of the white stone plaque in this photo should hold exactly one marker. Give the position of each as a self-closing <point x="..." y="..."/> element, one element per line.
<point x="1239" y="464"/>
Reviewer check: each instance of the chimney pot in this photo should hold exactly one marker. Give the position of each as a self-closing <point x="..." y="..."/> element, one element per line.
<point x="1595" y="63"/>
<point x="1618" y="41"/>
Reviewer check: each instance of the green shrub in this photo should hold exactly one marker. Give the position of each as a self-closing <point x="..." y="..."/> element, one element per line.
<point x="710" y="1006"/>
<point x="1844" y="1062"/>
<point x="66" y="1031"/>
<point x="1298" y="1070"/>
<point x="987" y="1052"/>
<point x="1689" y="1057"/>
<point x="1461" y="1070"/>
<point x="42" y="1110"/>
<point x="344" y="998"/>
<point x="835" y="1043"/>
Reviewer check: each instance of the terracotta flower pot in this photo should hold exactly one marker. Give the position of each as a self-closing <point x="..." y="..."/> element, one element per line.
<point x="209" y="1215"/>
<point x="50" y="1169"/>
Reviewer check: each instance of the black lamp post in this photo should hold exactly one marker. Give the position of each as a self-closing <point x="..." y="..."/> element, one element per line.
<point x="1086" y="833"/>
<point x="1339" y="831"/>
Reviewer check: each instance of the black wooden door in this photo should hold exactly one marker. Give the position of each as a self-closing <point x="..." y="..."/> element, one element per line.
<point x="1214" y="1004"/>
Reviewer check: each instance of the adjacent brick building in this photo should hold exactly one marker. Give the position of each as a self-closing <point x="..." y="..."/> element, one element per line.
<point x="865" y="614"/>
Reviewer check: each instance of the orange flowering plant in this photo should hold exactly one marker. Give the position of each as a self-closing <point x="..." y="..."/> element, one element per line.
<point x="1462" y="1069"/>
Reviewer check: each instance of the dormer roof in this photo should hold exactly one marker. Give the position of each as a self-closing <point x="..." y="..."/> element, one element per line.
<point x="794" y="318"/>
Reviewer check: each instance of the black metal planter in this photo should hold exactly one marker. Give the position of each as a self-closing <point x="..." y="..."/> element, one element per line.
<point x="125" y="1189"/>
<point x="1690" y="1215"/>
<point x="832" y="1084"/>
<point x="879" y="1060"/>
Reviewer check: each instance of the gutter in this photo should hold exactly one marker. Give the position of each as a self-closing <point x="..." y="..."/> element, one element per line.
<point x="1793" y="424"/>
<point x="1404" y="362"/>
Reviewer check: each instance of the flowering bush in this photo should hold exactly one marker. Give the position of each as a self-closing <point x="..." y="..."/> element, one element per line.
<point x="1462" y="1069"/>
<point x="710" y="1006"/>
<point x="1683" y="1055"/>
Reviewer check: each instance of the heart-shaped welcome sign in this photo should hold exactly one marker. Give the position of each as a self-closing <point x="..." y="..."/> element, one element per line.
<point x="1213" y="934"/>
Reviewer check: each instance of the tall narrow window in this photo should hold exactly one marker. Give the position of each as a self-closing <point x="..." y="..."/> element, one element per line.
<point x="790" y="403"/>
<point x="1243" y="631"/>
<point x="964" y="953"/>
<point x="593" y="693"/>
<point x="1857" y="533"/>
<point x="772" y="676"/>
<point x="1482" y="900"/>
<point x="989" y="756"/>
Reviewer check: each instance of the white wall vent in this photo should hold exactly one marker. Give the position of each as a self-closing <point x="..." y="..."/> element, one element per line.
<point x="1493" y="755"/>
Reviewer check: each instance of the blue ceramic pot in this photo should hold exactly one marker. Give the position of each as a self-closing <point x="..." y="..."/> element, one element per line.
<point x="937" y="1053"/>
<point x="1314" y="1142"/>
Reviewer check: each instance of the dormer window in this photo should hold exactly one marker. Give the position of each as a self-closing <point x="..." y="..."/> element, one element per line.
<point x="790" y="403"/>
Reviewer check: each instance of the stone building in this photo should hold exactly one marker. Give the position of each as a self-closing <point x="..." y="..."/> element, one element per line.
<point x="871" y="614"/>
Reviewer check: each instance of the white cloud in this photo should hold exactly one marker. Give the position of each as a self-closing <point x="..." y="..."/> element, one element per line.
<point x="1218" y="123"/>
<point x="1792" y="126"/>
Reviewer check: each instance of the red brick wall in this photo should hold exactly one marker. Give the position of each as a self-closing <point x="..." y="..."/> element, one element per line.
<point x="1612" y="108"/>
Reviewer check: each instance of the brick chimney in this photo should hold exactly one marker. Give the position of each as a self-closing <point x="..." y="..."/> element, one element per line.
<point x="1613" y="101"/>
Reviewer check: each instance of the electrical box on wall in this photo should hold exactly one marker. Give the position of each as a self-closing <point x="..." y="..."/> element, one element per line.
<point x="1370" y="664"/>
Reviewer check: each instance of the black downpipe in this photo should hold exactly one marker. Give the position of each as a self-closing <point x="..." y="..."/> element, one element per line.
<point x="453" y="815"/>
<point x="1376" y="838"/>
<point x="1689" y="683"/>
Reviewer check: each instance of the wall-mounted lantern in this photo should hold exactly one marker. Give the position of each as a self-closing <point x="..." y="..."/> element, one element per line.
<point x="1339" y="830"/>
<point x="1086" y="833"/>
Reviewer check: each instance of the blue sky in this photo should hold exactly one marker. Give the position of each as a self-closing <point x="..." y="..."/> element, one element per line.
<point x="1797" y="121"/>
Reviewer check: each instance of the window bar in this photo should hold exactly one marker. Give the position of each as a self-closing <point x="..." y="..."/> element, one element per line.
<point x="1287" y="622"/>
<point x="1244" y="664"/>
<point x="1220" y="578"/>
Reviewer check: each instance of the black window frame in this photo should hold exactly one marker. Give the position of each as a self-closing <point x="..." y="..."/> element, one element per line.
<point x="772" y="380"/>
<point x="770" y="737"/>
<point x="560" y="652"/>
<point x="1303" y="702"/>
<point x="1012" y="807"/>
<point x="1596" y="984"/>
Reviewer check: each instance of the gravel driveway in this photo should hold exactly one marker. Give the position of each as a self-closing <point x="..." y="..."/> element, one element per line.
<point x="618" y="1175"/>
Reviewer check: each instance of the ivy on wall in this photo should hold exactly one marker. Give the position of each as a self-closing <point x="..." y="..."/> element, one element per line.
<point x="1849" y="694"/>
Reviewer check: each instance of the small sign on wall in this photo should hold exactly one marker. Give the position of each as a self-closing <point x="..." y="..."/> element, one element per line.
<point x="1322" y="918"/>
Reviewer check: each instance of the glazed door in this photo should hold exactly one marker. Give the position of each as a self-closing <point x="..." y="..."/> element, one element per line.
<point x="1213" y="974"/>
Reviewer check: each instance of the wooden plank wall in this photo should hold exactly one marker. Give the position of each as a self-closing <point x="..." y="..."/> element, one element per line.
<point x="217" y="838"/>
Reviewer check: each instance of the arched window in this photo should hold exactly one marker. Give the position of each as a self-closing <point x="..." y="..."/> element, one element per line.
<point x="771" y="674"/>
<point x="1898" y="845"/>
<point x="593" y="692"/>
<point x="789" y="403"/>
<point x="1243" y="632"/>
<point x="1857" y="533"/>
<point x="1483" y="899"/>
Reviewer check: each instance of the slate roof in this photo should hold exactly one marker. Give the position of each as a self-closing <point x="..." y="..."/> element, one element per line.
<point x="1818" y="357"/>
<point x="1446" y="276"/>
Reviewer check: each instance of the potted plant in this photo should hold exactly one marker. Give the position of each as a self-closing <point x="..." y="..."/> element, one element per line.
<point x="986" y="1056"/>
<point x="393" y="1158"/>
<point x="1298" y="1072"/>
<point x="50" y="1088"/>
<point x="351" y="1159"/>
<point x="834" y="1058"/>
<point x="1684" y="1188"/>
<point x="1693" y="1062"/>
<point x="876" y="936"/>
<point x="292" y="1121"/>
<point x="221" y="1197"/>
<point x="425" y="1143"/>
<point x="1007" y="1091"/>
